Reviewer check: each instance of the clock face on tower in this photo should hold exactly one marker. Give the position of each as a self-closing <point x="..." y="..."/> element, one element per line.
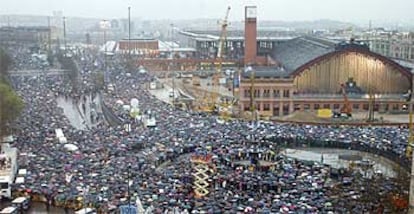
<point x="251" y="12"/>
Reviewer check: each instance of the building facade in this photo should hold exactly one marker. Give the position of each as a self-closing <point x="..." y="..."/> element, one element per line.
<point x="398" y="45"/>
<point x="311" y="72"/>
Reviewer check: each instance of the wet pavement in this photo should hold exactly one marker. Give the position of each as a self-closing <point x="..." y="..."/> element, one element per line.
<point x="72" y="112"/>
<point x="332" y="158"/>
<point x="163" y="94"/>
<point x="90" y="109"/>
<point x="81" y="114"/>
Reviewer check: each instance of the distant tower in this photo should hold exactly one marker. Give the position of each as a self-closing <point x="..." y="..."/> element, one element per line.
<point x="88" y="38"/>
<point x="250" y="35"/>
<point x="370" y="25"/>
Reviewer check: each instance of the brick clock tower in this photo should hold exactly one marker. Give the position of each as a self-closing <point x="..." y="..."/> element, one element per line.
<point x="250" y="35"/>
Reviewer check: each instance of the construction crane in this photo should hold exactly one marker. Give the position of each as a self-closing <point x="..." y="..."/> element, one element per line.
<point x="211" y="103"/>
<point x="222" y="109"/>
<point x="223" y="36"/>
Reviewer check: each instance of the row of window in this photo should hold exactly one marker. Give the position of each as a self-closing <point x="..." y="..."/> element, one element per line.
<point x="266" y="107"/>
<point x="268" y="45"/>
<point x="266" y="93"/>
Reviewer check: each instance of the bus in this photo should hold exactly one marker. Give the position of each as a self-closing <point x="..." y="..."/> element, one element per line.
<point x="8" y="171"/>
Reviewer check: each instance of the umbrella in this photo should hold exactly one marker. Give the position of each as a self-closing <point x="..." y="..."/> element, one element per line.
<point x="70" y="147"/>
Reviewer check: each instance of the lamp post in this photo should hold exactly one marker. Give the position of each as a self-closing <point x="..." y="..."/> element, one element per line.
<point x="85" y="190"/>
<point x="172" y="62"/>
<point x="129" y="191"/>
<point x="104" y="26"/>
<point x="64" y="33"/>
<point x="129" y="33"/>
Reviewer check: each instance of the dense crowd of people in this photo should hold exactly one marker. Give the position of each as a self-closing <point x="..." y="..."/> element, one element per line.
<point x="152" y="163"/>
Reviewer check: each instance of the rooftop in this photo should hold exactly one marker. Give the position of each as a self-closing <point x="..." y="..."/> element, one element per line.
<point x="139" y="39"/>
<point x="237" y="35"/>
<point x="296" y="52"/>
<point x="266" y="72"/>
<point x="405" y="63"/>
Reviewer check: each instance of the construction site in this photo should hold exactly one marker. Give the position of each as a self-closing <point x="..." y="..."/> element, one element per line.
<point x="302" y="79"/>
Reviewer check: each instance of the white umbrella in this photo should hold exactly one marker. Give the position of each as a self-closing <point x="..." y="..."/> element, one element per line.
<point x="134" y="102"/>
<point x="71" y="147"/>
<point x="126" y="107"/>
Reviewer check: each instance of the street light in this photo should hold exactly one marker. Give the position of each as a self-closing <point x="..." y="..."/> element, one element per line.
<point x="85" y="191"/>
<point x="104" y="26"/>
<point x="172" y="62"/>
<point x="129" y="184"/>
<point x="64" y="33"/>
<point x="129" y="32"/>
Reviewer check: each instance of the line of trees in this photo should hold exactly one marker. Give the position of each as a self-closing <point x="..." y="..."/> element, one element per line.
<point x="71" y="73"/>
<point x="10" y="103"/>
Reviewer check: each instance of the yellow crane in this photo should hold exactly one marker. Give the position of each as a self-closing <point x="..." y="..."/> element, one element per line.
<point x="222" y="108"/>
<point x="210" y="101"/>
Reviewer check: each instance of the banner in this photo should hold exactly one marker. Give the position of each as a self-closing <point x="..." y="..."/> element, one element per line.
<point x="128" y="209"/>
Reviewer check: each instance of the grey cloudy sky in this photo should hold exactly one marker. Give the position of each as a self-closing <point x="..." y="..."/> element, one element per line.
<point x="292" y="10"/>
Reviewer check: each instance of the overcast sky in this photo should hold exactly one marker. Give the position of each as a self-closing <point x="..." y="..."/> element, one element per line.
<point x="290" y="10"/>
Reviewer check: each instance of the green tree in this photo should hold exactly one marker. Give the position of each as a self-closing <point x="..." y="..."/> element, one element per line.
<point x="5" y="62"/>
<point x="10" y="106"/>
<point x="10" y="103"/>
<point x="98" y="80"/>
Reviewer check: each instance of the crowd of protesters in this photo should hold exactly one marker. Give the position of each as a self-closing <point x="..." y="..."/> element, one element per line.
<point x="114" y="166"/>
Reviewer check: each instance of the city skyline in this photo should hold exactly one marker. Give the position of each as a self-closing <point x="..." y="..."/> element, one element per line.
<point x="293" y="10"/>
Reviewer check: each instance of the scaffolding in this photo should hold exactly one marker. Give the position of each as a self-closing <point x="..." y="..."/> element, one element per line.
<point x="202" y="170"/>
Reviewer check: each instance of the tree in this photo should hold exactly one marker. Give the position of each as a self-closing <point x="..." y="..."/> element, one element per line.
<point x="10" y="106"/>
<point x="98" y="80"/>
<point x="5" y="62"/>
<point x="10" y="103"/>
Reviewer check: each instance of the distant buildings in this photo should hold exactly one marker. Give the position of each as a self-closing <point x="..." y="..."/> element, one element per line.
<point x="393" y="44"/>
<point x="28" y="35"/>
<point x="207" y="42"/>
